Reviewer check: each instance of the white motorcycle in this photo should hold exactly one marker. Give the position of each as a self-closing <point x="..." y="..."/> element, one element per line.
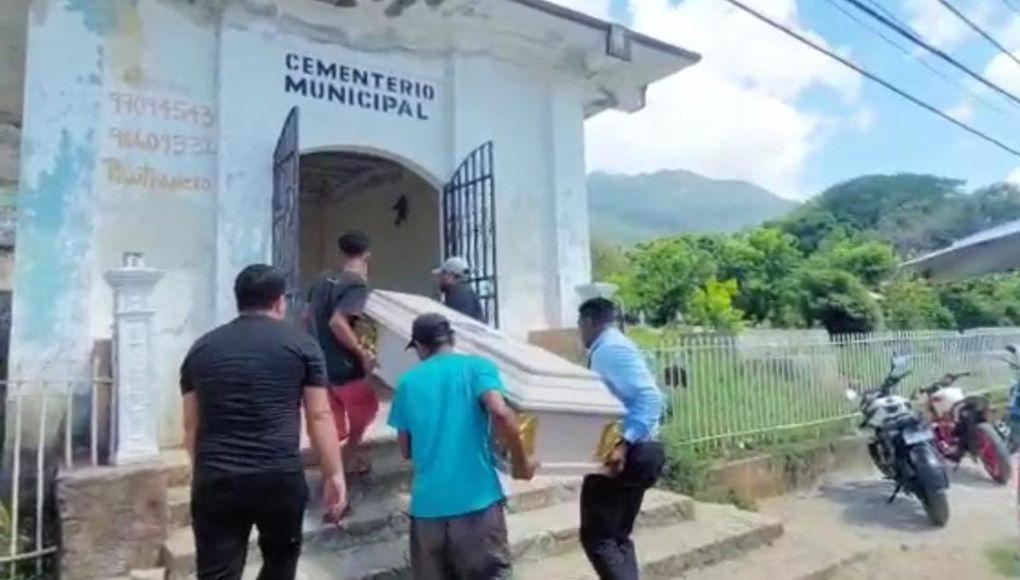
<point x="903" y="446"/>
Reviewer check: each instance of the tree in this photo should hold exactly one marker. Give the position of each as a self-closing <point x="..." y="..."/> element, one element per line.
<point x="913" y="303"/>
<point x="608" y="260"/>
<point x="839" y="302"/>
<point x="763" y="262"/>
<point x="712" y="306"/>
<point x="986" y="301"/>
<point x="871" y="262"/>
<point x="666" y="274"/>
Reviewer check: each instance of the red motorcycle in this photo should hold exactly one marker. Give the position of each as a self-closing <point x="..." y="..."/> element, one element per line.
<point x="962" y="428"/>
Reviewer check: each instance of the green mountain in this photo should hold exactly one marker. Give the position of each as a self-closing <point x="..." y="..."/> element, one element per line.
<point x="628" y="209"/>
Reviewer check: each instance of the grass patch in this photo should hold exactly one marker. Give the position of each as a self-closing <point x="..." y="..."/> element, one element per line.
<point x="1004" y="560"/>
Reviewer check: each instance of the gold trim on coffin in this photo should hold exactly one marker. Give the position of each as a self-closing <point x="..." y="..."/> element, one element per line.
<point x="611" y="437"/>
<point x="368" y="335"/>
<point x="528" y="425"/>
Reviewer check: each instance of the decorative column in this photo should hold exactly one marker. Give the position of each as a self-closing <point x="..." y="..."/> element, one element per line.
<point x="135" y="414"/>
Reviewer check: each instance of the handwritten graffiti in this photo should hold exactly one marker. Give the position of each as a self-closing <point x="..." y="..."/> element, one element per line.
<point x="179" y="110"/>
<point x="165" y="143"/>
<point x="121" y="173"/>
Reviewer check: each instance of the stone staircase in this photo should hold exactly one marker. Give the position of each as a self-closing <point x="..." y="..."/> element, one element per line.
<point x="674" y="534"/>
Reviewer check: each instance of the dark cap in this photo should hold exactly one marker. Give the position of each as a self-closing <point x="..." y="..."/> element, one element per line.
<point x="430" y="328"/>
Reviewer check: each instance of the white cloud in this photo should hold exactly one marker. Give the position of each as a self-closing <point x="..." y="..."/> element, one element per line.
<point x="1014" y="177"/>
<point x="1004" y="72"/>
<point x="863" y="120"/>
<point x="735" y="114"/>
<point x="963" y="112"/>
<point x="938" y="25"/>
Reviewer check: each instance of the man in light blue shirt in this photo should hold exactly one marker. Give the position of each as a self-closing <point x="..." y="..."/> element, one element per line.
<point x="445" y="411"/>
<point x="610" y="502"/>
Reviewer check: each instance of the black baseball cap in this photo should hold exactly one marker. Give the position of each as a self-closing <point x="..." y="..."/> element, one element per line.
<point x="429" y="329"/>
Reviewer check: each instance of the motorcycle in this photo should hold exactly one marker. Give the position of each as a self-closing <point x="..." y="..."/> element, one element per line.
<point x="903" y="446"/>
<point x="962" y="427"/>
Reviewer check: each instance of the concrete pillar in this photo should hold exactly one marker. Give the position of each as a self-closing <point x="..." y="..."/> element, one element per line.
<point x="137" y="412"/>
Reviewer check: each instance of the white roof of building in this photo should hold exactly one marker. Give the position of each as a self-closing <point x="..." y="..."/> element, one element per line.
<point x="996" y="249"/>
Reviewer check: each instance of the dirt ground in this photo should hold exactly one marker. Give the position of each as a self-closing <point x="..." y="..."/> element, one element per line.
<point x="895" y="540"/>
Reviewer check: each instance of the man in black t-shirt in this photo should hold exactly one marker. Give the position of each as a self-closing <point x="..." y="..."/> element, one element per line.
<point x="457" y="292"/>
<point x="243" y="386"/>
<point x="336" y="302"/>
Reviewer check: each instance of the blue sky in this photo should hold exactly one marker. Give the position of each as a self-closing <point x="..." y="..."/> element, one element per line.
<point x="803" y="123"/>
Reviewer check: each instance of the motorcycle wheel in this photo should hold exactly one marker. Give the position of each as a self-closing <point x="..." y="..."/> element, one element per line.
<point x="936" y="505"/>
<point x="992" y="453"/>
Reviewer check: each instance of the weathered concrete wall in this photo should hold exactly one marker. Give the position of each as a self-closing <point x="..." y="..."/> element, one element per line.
<point x="112" y="520"/>
<point x="152" y="126"/>
<point x="13" y="31"/>
<point x="13" y="28"/>
<point x="119" y="154"/>
<point x="789" y="470"/>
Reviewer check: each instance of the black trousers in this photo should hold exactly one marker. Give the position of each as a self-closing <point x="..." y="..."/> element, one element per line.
<point x="473" y="546"/>
<point x="223" y="511"/>
<point x="609" y="506"/>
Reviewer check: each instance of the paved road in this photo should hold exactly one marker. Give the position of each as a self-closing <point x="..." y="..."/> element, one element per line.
<point x="851" y="512"/>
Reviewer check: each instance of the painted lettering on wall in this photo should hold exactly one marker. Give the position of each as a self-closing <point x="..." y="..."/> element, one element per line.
<point x="141" y="105"/>
<point x="121" y="173"/>
<point x="357" y="86"/>
<point x="153" y="139"/>
<point x="159" y="142"/>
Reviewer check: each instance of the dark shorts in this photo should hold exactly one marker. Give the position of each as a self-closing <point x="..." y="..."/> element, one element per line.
<point x="473" y="546"/>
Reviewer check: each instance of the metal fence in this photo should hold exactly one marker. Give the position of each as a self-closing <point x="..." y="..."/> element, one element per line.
<point x="47" y="424"/>
<point x="726" y="392"/>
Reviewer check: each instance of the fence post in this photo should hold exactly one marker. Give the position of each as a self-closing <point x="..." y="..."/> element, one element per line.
<point x="136" y="414"/>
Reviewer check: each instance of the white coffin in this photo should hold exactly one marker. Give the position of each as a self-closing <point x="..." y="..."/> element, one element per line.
<point x="571" y="403"/>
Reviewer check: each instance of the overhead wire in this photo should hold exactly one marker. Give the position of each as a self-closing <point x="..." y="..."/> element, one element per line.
<point x="873" y="77"/>
<point x="913" y="55"/>
<point x="1011" y="6"/>
<point x="982" y="32"/>
<point x="934" y="50"/>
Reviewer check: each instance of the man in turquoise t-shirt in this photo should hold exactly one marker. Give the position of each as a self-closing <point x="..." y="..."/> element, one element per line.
<point x="442" y="411"/>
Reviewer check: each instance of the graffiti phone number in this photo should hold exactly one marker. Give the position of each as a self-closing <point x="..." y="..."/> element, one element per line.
<point x="162" y="108"/>
<point x="169" y="144"/>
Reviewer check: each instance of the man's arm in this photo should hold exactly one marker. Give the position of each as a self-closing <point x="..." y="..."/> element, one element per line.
<point x="341" y="328"/>
<point x="509" y="431"/>
<point x="190" y="424"/>
<point x="322" y="433"/>
<point x="632" y="383"/>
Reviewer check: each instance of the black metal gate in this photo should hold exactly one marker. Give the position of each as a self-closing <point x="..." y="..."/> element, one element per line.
<point x="469" y="225"/>
<point x="286" y="208"/>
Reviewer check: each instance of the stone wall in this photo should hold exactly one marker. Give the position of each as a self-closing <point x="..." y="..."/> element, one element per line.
<point x="113" y="520"/>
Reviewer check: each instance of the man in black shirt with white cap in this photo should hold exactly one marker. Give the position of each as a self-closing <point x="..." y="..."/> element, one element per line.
<point x="457" y="291"/>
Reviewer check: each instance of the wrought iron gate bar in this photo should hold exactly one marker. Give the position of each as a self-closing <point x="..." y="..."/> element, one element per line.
<point x="469" y="225"/>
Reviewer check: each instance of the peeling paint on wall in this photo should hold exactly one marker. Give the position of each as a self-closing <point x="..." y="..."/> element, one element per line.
<point x="99" y="17"/>
<point x="56" y="227"/>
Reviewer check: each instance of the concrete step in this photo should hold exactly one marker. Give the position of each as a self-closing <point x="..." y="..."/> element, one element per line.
<point x="791" y="557"/>
<point x="178" y="503"/>
<point x="372" y="543"/>
<point x="379" y="514"/>
<point x="717" y="534"/>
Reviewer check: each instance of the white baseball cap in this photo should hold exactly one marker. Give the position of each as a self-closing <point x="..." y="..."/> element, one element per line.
<point x="455" y="265"/>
